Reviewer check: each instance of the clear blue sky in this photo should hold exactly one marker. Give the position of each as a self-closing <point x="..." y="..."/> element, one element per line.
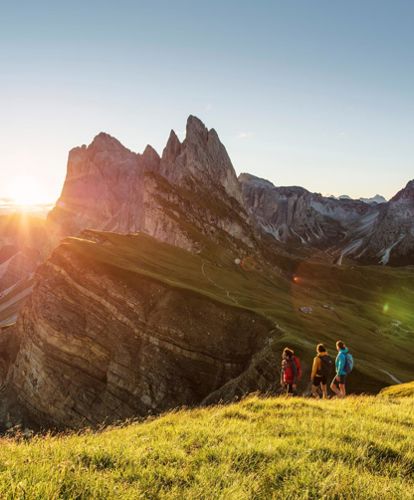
<point x="312" y="93"/>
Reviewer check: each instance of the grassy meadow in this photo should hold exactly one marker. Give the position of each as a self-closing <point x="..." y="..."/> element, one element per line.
<point x="259" y="448"/>
<point x="369" y="307"/>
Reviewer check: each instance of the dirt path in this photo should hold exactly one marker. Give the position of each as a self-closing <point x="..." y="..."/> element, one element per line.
<point x="227" y="292"/>
<point x="394" y="379"/>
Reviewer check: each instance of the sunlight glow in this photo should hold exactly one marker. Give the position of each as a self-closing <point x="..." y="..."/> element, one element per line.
<point x="26" y="192"/>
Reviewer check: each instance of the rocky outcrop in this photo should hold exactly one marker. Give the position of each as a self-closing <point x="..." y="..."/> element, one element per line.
<point x="192" y="192"/>
<point x="389" y="237"/>
<point x="97" y="346"/>
<point x="102" y="188"/>
<point x="372" y="233"/>
<point x="297" y="216"/>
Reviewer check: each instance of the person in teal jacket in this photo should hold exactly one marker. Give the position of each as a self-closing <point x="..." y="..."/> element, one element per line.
<point x="338" y="383"/>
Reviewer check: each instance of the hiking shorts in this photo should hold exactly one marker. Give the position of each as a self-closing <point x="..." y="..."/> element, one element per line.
<point x="339" y="379"/>
<point x="290" y="389"/>
<point x="318" y="380"/>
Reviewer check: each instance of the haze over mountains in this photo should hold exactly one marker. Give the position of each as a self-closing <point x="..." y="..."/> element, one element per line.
<point x="195" y="306"/>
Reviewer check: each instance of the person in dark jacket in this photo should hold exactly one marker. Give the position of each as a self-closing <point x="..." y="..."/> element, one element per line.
<point x="291" y="371"/>
<point x="321" y="371"/>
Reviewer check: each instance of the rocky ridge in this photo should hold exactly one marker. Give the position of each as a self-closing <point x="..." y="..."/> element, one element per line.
<point x="370" y="233"/>
<point x="189" y="193"/>
<point x="97" y="344"/>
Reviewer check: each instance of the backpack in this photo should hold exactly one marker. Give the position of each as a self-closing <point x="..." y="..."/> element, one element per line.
<point x="298" y="368"/>
<point x="326" y="366"/>
<point x="349" y="363"/>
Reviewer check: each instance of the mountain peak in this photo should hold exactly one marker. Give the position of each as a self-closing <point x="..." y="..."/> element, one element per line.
<point x="150" y="158"/>
<point x="172" y="148"/>
<point x="196" y="131"/>
<point x="106" y="142"/>
<point x="150" y="152"/>
<point x="406" y="194"/>
<point x="257" y="181"/>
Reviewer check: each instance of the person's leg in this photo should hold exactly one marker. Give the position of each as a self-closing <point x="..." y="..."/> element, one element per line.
<point x="315" y="392"/>
<point x="289" y="390"/>
<point x="334" y="387"/>
<point x="342" y="390"/>
<point x="324" y="391"/>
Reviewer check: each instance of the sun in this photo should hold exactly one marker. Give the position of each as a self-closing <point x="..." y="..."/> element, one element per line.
<point x="25" y="191"/>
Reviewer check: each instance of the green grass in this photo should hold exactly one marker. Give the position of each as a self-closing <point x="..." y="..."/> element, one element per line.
<point x="371" y="305"/>
<point x="399" y="390"/>
<point x="360" y="447"/>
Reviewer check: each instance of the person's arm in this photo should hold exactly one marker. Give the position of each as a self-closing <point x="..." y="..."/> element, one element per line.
<point x="315" y="367"/>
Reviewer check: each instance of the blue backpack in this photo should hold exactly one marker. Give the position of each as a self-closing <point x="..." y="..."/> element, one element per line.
<point x="349" y="363"/>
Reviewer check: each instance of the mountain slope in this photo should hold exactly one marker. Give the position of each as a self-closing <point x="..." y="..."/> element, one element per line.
<point x="118" y="326"/>
<point x="122" y="325"/>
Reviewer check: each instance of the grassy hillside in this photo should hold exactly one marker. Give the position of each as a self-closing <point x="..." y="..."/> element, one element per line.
<point x="399" y="390"/>
<point x="370" y="307"/>
<point x="361" y="447"/>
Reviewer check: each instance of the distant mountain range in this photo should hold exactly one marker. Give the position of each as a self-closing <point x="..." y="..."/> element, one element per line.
<point x="372" y="233"/>
<point x="374" y="199"/>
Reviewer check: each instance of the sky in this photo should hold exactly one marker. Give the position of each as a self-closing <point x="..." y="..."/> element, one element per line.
<point x="314" y="93"/>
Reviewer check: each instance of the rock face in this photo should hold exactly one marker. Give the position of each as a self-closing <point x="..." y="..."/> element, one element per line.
<point x="189" y="193"/>
<point x="102" y="188"/>
<point x="294" y="215"/>
<point x="93" y="347"/>
<point x="388" y="238"/>
<point x="373" y="233"/>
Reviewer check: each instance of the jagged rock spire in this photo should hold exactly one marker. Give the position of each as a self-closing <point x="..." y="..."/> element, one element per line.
<point x="172" y="149"/>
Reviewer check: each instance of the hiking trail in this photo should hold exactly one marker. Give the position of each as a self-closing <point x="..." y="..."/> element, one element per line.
<point x="203" y="272"/>
<point x="394" y="379"/>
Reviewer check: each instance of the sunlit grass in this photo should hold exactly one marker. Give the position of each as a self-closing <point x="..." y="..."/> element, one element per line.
<point x="361" y="447"/>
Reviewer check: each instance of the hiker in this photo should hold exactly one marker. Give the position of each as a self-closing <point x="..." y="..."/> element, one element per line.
<point x="321" y="371"/>
<point x="344" y="364"/>
<point x="291" y="371"/>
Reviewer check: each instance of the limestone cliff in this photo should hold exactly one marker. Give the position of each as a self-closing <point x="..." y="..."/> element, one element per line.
<point x="192" y="192"/>
<point x="100" y="342"/>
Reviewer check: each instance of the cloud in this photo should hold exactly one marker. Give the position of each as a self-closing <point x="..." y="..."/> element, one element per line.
<point x="245" y="135"/>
